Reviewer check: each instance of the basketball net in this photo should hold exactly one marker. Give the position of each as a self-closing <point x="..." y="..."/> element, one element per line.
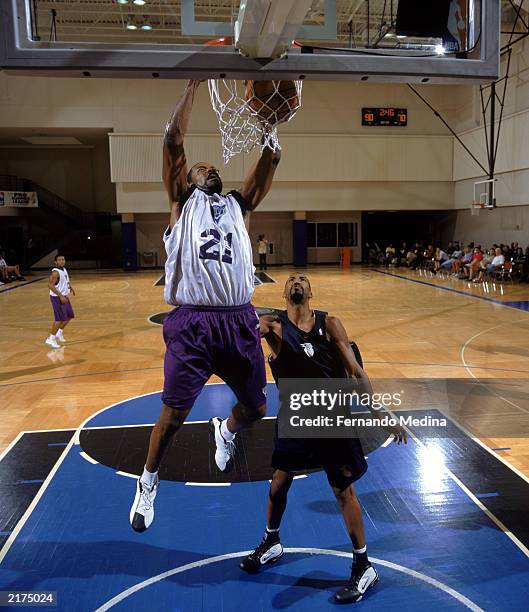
<point x="241" y="127"/>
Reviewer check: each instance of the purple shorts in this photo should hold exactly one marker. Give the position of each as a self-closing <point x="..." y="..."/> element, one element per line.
<point x="201" y="341"/>
<point x="61" y="312"/>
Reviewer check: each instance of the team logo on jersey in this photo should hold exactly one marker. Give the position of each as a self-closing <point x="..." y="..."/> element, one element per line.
<point x="218" y="210"/>
<point x="308" y="348"/>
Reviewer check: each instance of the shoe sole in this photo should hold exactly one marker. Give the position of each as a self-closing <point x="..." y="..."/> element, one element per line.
<point x="261" y="565"/>
<point x="229" y="464"/>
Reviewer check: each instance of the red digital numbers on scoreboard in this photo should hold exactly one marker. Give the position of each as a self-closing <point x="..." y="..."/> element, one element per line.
<point x="385" y="116"/>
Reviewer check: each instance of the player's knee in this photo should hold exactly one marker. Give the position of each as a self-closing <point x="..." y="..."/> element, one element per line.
<point x="280" y="486"/>
<point x="172" y="417"/>
<point x="253" y="414"/>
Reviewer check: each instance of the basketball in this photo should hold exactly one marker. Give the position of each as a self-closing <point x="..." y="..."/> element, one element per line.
<point x="273" y="101"/>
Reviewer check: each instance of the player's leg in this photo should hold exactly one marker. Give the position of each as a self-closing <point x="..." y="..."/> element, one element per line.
<point x="363" y="574"/>
<point x="51" y="340"/>
<point x="186" y="371"/>
<point x="62" y="325"/>
<point x="67" y="316"/>
<point x="243" y="369"/>
<point x="270" y="549"/>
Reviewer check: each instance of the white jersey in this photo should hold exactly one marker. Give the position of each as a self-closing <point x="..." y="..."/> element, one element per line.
<point x="63" y="285"/>
<point x="209" y="254"/>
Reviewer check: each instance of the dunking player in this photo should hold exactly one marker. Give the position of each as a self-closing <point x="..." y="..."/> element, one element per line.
<point x="307" y="343"/>
<point x="60" y="289"/>
<point x="210" y="278"/>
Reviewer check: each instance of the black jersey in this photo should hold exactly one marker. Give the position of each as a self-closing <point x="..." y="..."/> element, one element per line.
<point x="312" y="355"/>
<point x="306" y="354"/>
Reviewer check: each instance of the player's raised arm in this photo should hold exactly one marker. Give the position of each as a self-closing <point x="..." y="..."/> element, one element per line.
<point x="338" y="335"/>
<point x="260" y="177"/>
<point x="174" y="170"/>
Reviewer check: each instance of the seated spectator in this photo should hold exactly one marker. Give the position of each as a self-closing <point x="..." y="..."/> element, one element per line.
<point x="402" y="254"/>
<point x="525" y="266"/>
<point x="472" y="268"/>
<point x="439" y="258"/>
<point x="497" y="262"/>
<point x="417" y="261"/>
<point x="428" y="257"/>
<point x="9" y="273"/>
<point x="450" y="263"/>
<point x="458" y="264"/>
<point x="390" y="255"/>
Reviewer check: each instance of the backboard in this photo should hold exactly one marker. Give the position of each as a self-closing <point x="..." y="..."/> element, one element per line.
<point x="333" y="39"/>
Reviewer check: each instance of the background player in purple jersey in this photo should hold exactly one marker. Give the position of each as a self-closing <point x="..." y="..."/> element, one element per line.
<point x="209" y="278"/>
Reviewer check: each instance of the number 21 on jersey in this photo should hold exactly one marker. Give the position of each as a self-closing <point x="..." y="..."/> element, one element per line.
<point x="212" y="248"/>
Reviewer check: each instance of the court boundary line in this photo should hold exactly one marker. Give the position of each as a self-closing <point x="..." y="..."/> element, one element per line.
<point x="155" y="284"/>
<point x="89" y="458"/>
<point x="34" y="502"/>
<point x="267" y="275"/>
<point x="311" y="551"/>
<point x="74" y="440"/>
<point x="466" y="344"/>
<point x="10" y="446"/>
<point x="23" y="284"/>
<point x="473" y="497"/>
<point x="449" y="289"/>
<point x="484" y="446"/>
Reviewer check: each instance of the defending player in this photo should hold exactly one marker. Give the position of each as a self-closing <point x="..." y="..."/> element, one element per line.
<point x="60" y="289"/>
<point x="209" y="278"/>
<point x="307" y="343"/>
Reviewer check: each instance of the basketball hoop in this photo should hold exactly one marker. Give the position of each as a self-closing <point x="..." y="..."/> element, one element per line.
<point x="241" y="117"/>
<point x="476" y="207"/>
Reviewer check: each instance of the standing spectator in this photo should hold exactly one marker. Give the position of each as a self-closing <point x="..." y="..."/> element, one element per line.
<point x="262" y="248"/>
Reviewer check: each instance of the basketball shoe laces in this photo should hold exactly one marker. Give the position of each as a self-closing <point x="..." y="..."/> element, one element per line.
<point x="356" y="574"/>
<point x="146" y="502"/>
<point x="230" y="446"/>
<point x="261" y="549"/>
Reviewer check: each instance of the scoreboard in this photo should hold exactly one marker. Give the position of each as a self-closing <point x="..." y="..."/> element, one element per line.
<point x="385" y="116"/>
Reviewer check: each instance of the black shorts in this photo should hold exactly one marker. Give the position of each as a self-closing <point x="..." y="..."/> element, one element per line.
<point x="342" y="459"/>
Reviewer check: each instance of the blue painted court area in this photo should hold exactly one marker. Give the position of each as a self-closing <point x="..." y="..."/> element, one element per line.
<point x="432" y="545"/>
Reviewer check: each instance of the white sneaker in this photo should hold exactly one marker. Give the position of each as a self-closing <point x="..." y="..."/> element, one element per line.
<point x="142" y="511"/>
<point x="225" y="449"/>
<point x="52" y="342"/>
<point x="59" y="336"/>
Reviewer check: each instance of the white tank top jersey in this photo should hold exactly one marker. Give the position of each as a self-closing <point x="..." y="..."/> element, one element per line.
<point x="209" y="254"/>
<point x="63" y="285"/>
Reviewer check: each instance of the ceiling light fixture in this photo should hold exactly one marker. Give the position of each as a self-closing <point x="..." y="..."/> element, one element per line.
<point x="131" y="25"/>
<point x="146" y="26"/>
<point x="122" y="1"/>
<point x="138" y="2"/>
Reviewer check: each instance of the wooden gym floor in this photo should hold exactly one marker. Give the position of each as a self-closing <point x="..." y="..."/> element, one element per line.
<point x="405" y="326"/>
